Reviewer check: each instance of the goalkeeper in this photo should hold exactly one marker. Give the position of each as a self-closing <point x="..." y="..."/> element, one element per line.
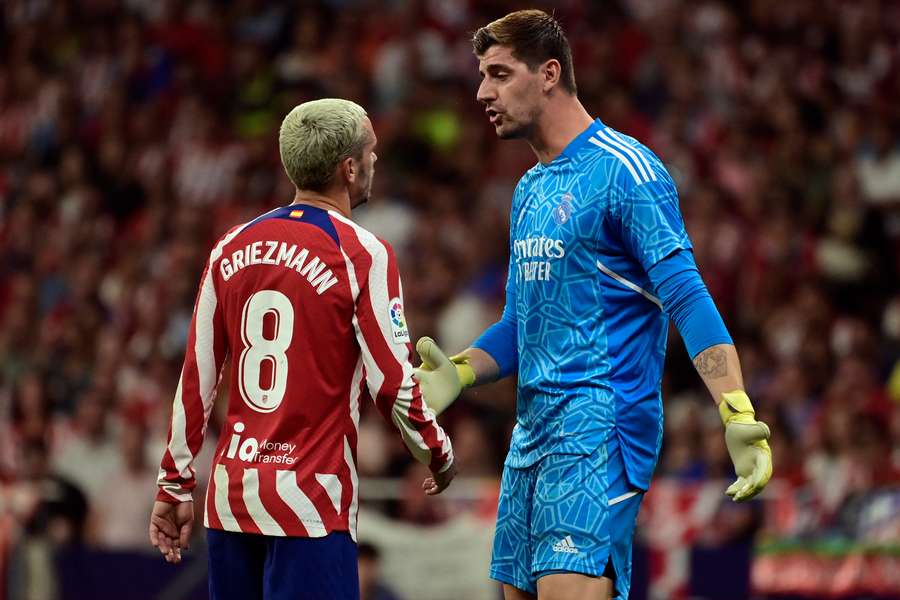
<point x="599" y="263"/>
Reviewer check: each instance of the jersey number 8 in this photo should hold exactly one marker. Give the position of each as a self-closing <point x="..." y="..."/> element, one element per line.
<point x="259" y="350"/>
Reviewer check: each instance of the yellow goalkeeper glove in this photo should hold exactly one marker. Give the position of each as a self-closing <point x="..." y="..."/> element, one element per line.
<point x="441" y="379"/>
<point x="746" y="440"/>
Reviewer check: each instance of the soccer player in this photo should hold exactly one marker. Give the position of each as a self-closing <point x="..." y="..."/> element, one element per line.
<point x="309" y="307"/>
<point x="599" y="263"/>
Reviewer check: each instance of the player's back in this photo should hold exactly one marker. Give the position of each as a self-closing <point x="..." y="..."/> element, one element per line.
<point x="286" y="307"/>
<point x="309" y="308"/>
<point x="277" y="298"/>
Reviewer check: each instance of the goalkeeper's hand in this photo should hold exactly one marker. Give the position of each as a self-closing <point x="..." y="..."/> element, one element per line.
<point x="441" y="379"/>
<point x="748" y="447"/>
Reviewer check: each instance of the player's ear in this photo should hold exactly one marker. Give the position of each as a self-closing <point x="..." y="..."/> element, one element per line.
<point x="550" y="73"/>
<point x="349" y="169"/>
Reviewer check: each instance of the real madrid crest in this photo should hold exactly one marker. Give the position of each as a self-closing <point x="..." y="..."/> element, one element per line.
<point x="563" y="210"/>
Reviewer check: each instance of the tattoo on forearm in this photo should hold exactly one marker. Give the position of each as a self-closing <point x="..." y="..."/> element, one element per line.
<point x="712" y="363"/>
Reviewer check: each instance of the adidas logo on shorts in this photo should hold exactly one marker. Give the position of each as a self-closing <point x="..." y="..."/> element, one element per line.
<point x="565" y="545"/>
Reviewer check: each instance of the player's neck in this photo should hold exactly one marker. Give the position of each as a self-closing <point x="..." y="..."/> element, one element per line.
<point x="339" y="203"/>
<point x="563" y="120"/>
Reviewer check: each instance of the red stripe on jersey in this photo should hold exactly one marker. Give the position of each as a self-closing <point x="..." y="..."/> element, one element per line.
<point x="236" y="500"/>
<point x="285" y="426"/>
<point x="384" y="358"/>
<point x="212" y="516"/>
<point x="195" y="418"/>
<point x="425" y="426"/>
<point x="390" y="364"/>
<point x="322" y="501"/>
<point x="220" y="351"/>
<point x="277" y="507"/>
<point x="168" y="463"/>
<point x="192" y="404"/>
<point x="346" y="477"/>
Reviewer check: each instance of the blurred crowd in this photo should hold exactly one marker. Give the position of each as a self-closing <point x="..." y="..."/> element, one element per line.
<point x="134" y="133"/>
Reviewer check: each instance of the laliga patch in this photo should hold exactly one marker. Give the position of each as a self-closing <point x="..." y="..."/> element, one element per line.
<point x="399" y="332"/>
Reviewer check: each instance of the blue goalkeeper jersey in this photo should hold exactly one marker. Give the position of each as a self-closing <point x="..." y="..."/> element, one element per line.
<point x="591" y="333"/>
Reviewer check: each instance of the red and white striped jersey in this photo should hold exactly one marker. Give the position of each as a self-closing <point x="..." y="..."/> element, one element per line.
<point x="309" y="306"/>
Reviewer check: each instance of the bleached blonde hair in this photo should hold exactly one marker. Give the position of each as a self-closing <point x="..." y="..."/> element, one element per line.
<point x="316" y="136"/>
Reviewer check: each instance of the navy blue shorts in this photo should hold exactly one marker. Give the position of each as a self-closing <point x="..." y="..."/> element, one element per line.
<point x="244" y="566"/>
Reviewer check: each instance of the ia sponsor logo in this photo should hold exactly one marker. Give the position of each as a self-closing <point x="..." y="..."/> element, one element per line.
<point x="250" y="449"/>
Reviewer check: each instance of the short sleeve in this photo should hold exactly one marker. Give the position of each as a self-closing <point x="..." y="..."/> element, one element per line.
<point x="650" y="222"/>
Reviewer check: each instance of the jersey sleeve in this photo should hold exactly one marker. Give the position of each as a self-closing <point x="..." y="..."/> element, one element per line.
<point x="384" y="340"/>
<point x="650" y="221"/>
<point x="687" y="301"/>
<point x="500" y="340"/>
<point x="195" y="394"/>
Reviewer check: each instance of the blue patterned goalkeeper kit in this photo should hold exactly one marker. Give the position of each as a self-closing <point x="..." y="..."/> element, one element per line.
<point x="591" y="336"/>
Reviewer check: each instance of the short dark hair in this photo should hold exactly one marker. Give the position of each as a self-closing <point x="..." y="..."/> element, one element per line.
<point x="534" y="37"/>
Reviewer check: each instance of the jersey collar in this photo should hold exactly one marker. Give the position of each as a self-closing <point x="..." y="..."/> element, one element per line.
<point x="575" y="146"/>
<point x="571" y="151"/>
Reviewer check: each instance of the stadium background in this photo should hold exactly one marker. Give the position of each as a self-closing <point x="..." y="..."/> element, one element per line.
<point x="134" y="132"/>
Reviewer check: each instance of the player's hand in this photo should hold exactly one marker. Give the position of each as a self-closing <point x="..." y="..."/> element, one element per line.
<point x="438" y="482"/>
<point x="441" y="379"/>
<point x="170" y="528"/>
<point x="748" y="447"/>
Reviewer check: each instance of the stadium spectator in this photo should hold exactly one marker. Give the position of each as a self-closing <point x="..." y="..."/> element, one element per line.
<point x="371" y="586"/>
<point x="779" y="121"/>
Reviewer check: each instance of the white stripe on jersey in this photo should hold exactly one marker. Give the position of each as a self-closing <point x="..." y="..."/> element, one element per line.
<point x="223" y="508"/>
<point x="374" y="376"/>
<point x="354" y="482"/>
<point x="293" y="496"/>
<point x="206" y="510"/>
<point x="623" y="497"/>
<point x="356" y="390"/>
<point x="379" y="298"/>
<point x="608" y="138"/>
<point x="255" y="509"/>
<point x="643" y="158"/>
<point x="206" y="361"/>
<point x="332" y="486"/>
<point x="179" y="424"/>
<point x="630" y="285"/>
<point x="204" y="352"/>
<point x="351" y="275"/>
<point x="358" y="372"/>
<point x="620" y="156"/>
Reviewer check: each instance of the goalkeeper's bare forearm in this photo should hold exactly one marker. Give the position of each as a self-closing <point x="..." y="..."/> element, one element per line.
<point x="720" y="369"/>
<point x="745" y="437"/>
<point x="684" y="297"/>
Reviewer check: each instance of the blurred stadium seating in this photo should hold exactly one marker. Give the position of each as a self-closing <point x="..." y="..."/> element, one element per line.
<point x="134" y="132"/>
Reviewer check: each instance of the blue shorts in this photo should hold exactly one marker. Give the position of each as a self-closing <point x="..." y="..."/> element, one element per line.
<point x="245" y="566"/>
<point x="568" y="513"/>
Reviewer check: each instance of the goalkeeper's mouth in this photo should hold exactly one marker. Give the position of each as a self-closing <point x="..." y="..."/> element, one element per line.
<point x="493" y="115"/>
